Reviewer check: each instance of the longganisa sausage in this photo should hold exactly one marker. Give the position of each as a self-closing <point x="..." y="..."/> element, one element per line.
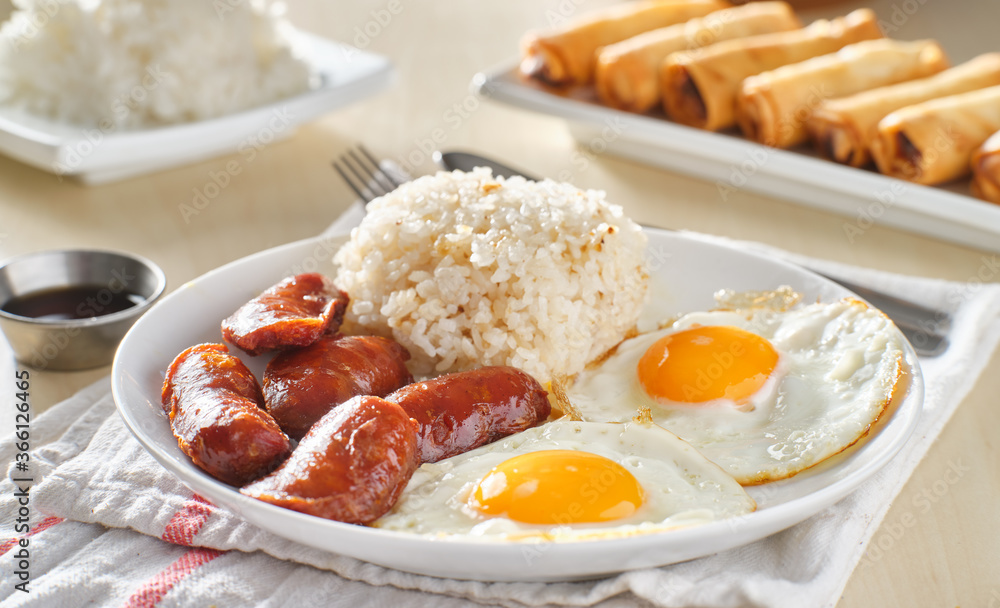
<point x="351" y="466"/>
<point x="464" y="410"/>
<point x="215" y="406"/>
<point x="293" y="313"/>
<point x="300" y="386"/>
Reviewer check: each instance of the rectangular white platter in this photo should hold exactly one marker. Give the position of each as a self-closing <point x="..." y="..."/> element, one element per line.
<point x="862" y="196"/>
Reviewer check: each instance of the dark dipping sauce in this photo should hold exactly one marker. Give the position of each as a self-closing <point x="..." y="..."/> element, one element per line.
<point x="69" y="303"/>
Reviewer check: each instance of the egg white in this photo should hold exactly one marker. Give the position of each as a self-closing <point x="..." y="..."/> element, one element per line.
<point x="681" y="487"/>
<point x="838" y="366"/>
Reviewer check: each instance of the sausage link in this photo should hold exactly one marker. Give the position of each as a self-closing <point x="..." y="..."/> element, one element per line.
<point x="350" y="467"/>
<point x="461" y="411"/>
<point x="216" y="414"/>
<point x="292" y="313"/>
<point x="301" y="386"/>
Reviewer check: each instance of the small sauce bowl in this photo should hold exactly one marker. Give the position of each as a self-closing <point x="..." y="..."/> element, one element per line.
<point x="69" y="309"/>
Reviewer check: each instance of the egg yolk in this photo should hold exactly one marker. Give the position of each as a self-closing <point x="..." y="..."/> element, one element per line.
<point x="705" y="363"/>
<point x="558" y="487"/>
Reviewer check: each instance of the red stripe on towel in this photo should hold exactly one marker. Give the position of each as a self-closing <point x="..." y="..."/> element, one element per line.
<point x="153" y="590"/>
<point x="180" y="530"/>
<point x="41" y="526"/>
<point x="185" y="523"/>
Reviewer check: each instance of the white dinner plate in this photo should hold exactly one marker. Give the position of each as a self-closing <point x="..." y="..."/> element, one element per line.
<point x="686" y="271"/>
<point x="344" y="75"/>
<point x="733" y="163"/>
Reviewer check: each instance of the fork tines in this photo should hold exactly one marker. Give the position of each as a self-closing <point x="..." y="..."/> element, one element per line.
<point x="364" y="174"/>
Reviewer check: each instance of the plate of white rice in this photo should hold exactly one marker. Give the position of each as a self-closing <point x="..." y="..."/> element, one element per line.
<point x="102" y="90"/>
<point x="468" y="269"/>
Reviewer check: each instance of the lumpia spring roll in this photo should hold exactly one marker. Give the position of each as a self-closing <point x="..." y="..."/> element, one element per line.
<point x="986" y="170"/>
<point x="932" y="142"/>
<point x="627" y="74"/>
<point x="699" y="88"/>
<point x="566" y="55"/>
<point x="773" y="107"/>
<point x="842" y="129"/>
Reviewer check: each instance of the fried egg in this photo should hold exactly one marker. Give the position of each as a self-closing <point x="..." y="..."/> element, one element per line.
<point x="568" y="480"/>
<point x="764" y="393"/>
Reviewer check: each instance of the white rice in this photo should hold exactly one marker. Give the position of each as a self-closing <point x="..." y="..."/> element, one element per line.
<point x="467" y="269"/>
<point x="127" y="64"/>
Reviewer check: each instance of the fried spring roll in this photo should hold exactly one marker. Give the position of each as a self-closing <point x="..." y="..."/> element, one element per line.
<point x="933" y="142"/>
<point x="986" y="170"/>
<point x="843" y="129"/>
<point x="566" y="55"/>
<point x="627" y="74"/>
<point x="773" y="107"/>
<point x="699" y="88"/>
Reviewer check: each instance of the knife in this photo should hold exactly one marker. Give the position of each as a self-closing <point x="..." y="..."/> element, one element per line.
<point x="924" y="327"/>
<point x="466" y="161"/>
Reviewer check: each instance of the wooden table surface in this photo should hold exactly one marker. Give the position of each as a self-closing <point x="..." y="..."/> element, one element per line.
<point x="936" y="548"/>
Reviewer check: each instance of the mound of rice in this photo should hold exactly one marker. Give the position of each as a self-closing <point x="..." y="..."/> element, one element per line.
<point x="467" y="269"/>
<point x="126" y="64"/>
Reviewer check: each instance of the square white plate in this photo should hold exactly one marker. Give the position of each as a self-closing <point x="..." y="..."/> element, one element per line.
<point x="345" y="75"/>
<point x="733" y="163"/>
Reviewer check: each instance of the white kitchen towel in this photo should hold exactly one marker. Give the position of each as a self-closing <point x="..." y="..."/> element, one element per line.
<point x="108" y="526"/>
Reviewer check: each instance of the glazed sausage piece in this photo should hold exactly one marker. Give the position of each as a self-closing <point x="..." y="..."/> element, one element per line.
<point x="295" y="312"/>
<point x="350" y="467"/>
<point x="215" y="409"/>
<point x="300" y="386"/>
<point x="461" y="411"/>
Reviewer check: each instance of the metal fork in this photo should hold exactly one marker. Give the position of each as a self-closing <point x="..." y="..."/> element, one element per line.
<point x="925" y="328"/>
<point x="365" y="175"/>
